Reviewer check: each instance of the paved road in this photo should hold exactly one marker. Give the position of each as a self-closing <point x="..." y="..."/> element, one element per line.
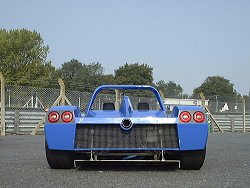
<point x="23" y="164"/>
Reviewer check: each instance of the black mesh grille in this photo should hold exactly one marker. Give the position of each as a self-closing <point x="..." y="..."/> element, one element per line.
<point x="140" y="136"/>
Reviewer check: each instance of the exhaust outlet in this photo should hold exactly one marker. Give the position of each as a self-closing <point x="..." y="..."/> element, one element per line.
<point x="126" y="124"/>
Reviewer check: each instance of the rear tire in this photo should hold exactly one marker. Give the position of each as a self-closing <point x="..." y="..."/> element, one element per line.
<point x="59" y="159"/>
<point x="192" y="160"/>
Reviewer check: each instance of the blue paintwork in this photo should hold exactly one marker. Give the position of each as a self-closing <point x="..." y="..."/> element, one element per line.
<point x="61" y="136"/>
<point x="126" y="109"/>
<point x="192" y="136"/>
<point x="121" y="113"/>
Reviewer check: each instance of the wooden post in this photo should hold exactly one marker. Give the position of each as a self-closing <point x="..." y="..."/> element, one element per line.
<point x="210" y="123"/>
<point x="59" y="101"/>
<point x="16" y="122"/>
<point x="161" y="94"/>
<point x="62" y="91"/>
<point x="2" y="104"/>
<point x="244" y="114"/>
<point x="232" y="124"/>
<point x="117" y="99"/>
<point x="206" y="108"/>
<point x="212" y="126"/>
<point x="203" y="100"/>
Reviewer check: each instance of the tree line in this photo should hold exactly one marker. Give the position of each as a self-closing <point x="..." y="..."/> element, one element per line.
<point x="23" y="61"/>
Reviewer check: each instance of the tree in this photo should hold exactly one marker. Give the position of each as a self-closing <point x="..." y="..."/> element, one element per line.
<point x="23" y="58"/>
<point x="108" y="79"/>
<point x="94" y="76"/>
<point x="247" y="97"/>
<point x="94" y="69"/>
<point x="72" y="73"/>
<point x="135" y="74"/>
<point x="79" y="76"/>
<point x="216" y="85"/>
<point x="170" y="89"/>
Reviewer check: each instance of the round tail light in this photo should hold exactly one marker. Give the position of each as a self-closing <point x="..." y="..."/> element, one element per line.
<point x="53" y="117"/>
<point x="185" y="117"/>
<point x="67" y="117"/>
<point x="199" y="117"/>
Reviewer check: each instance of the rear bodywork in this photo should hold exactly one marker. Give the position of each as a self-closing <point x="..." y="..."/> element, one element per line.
<point x="126" y="133"/>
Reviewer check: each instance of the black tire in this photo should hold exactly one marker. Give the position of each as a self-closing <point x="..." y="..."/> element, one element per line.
<point x="59" y="159"/>
<point x="192" y="160"/>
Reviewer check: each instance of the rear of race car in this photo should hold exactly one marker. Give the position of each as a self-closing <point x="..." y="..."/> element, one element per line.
<point x="180" y="138"/>
<point x="126" y="135"/>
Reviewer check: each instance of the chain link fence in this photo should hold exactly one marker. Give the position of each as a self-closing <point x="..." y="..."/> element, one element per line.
<point x="228" y="106"/>
<point x="33" y="98"/>
<point x="25" y="106"/>
<point x="38" y="99"/>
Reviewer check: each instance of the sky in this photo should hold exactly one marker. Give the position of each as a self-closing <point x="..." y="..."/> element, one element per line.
<point x="183" y="41"/>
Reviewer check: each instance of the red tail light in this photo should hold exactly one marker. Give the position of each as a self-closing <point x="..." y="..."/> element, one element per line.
<point x="185" y="117"/>
<point x="53" y="117"/>
<point x="199" y="117"/>
<point x="67" y="117"/>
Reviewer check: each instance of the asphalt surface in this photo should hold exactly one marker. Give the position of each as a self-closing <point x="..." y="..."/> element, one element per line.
<point x="227" y="164"/>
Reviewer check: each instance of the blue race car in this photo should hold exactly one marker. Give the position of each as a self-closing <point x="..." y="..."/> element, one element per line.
<point x="126" y="128"/>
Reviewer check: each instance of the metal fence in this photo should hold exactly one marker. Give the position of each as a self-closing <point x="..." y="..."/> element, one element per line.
<point x="20" y="97"/>
<point x="30" y="103"/>
<point x="231" y="123"/>
<point x="231" y="106"/>
<point x="35" y="99"/>
<point x="24" y="122"/>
